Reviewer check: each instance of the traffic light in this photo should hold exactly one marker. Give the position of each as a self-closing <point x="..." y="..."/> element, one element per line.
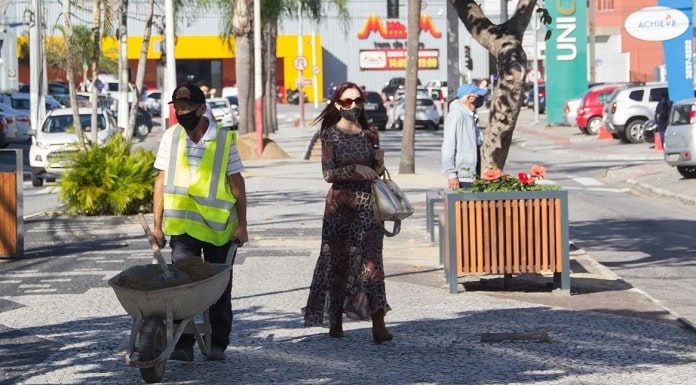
<point x="467" y="58"/>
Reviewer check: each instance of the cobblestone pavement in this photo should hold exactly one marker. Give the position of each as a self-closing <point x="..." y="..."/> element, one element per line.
<point x="60" y="323"/>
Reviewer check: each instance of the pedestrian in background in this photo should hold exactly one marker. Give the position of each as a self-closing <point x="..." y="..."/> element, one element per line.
<point x="349" y="274"/>
<point x="462" y="137"/>
<point x="200" y="202"/>
<point x="662" y="115"/>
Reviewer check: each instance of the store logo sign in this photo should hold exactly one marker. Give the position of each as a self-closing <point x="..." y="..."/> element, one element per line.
<point x="394" y="29"/>
<point x="656" y="23"/>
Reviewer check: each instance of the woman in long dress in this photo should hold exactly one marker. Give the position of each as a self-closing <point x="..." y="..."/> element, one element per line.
<point x="349" y="274"/>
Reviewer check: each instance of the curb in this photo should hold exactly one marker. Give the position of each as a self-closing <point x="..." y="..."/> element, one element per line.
<point x="645" y="187"/>
<point x="609" y="273"/>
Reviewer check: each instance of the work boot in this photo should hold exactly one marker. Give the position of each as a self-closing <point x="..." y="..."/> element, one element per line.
<point x="217" y="353"/>
<point x="379" y="329"/>
<point x="182" y="354"/>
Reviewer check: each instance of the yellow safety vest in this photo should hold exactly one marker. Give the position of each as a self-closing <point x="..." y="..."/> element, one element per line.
<point x="201" y="205"/>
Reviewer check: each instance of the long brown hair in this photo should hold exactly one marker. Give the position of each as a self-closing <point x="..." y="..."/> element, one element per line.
<point x="330" y="115"/>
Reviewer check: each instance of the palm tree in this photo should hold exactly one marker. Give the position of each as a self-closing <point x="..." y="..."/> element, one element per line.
<point x="504" y="41"/>
<point x="140" y="74"/>
<point x="70" y="74"/>
<point x="407" y="163"/>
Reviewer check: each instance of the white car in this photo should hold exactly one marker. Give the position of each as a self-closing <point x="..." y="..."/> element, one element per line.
<point x="222" y="112"/>
<point x="570" y="111"/>
<point x="427" y="114"/>
<point x="17" y="129"/>
<point x="56" y="138"/>
<point x="680" y="138"/>
<point x="151" y="101"/>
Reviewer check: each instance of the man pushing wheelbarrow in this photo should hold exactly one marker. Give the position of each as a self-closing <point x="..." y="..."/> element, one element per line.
<point x="200" y="202"/>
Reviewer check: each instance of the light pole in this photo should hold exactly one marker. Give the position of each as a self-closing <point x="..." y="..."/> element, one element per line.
<point x="258" y="86"/>
<point x="37" y="103"/>
<point x="300" y="77"/>
<point x="170" y="61"/>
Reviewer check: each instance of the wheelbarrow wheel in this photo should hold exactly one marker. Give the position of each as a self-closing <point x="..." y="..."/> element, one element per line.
<point x="153" y="341"/>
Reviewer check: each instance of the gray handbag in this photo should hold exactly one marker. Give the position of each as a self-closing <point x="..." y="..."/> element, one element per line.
<point x="390" y="203"/>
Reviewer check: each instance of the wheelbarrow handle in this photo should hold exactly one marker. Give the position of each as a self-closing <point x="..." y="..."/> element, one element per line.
<point x="232" y="253"/>
<point x="155" y="247"/>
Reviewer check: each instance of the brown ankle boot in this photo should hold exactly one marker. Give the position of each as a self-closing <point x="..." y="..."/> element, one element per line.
<point x="336" y="330"/>
<point x="379" y="330"/>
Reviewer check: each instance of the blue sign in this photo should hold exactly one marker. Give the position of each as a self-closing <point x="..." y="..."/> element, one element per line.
<point x="679" y="51"/>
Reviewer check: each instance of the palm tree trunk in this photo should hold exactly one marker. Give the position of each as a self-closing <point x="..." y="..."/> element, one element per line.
<point x="407" y="163"/>
<point x="70" y="73"/>
<point x="96" y="30"/>
<point x="140" y="74"/>
<point x="243" y="23"/>
<point x="270" y="34"/>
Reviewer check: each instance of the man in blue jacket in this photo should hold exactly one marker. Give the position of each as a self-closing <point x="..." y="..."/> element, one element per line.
<point x="462" y="137"/>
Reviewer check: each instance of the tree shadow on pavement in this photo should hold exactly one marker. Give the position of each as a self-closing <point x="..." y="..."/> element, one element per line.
<point x="270" y="346"/>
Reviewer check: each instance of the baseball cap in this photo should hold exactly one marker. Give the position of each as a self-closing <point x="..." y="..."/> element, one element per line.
<point x="467" y="89"/>
<point x="188" y="92"/>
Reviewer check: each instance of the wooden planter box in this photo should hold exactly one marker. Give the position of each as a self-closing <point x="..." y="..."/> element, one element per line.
<point x="505" y="234"/>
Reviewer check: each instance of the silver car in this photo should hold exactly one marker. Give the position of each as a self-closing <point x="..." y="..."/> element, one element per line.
<point x="629" y="107"/>
<point x="427" y="114"/>
<point x="680" y="138"/>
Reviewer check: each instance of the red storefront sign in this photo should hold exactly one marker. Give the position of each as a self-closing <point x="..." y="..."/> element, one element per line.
<point x="395" y="59"/>
<point x="395" y="29"/>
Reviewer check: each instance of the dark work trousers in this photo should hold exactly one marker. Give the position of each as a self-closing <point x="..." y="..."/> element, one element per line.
<point x="185" y="246"/>
<point x="478" y="160"/>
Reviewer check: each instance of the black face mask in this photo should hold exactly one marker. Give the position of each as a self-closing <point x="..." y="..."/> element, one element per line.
<point x="351" y="114"/>
<point x="188" y="120"/>
<point x="478" y="102"/>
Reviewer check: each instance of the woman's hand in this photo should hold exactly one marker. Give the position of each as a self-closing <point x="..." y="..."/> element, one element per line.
<point x="365" y="172"/>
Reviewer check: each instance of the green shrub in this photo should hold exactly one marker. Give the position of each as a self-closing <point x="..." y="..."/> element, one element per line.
<point x="109" y="180"/>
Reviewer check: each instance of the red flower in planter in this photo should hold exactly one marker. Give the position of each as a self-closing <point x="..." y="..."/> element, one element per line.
<point x="491" y="174"/>
<point x="538" y="171"/>
<point x="525" y="178"/>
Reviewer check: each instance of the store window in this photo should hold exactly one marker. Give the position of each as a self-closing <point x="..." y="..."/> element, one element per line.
<point x="605" y="5"/>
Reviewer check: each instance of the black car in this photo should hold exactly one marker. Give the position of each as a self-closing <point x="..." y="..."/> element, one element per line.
<point x="529" y="97"/>
<point x="394" y="84"/>
<point x="375" y="112"/>
<point x="143" y="123"/>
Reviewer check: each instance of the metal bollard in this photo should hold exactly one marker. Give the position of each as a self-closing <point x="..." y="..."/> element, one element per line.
<point x="12" y="207"/>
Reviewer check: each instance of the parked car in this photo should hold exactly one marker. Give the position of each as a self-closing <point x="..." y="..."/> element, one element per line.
<point x="151" y="101"/>
<point x="3" y="125"/>
<point x="438" y="87"/>
<point x="143" y="123"/>
<point x="529" y="99"/>
<point x="680" y="138"/>
<point x="375" y="112"/>
<point x="427" y="115"/>
<point x="394" y="84"/>
<point x="20" y="101"/>
<point x="223" y="112"/>
<point x="570" y="111"/>
<point x="590" y="113"/>
<point x="18" y="123"/>
<point x="629" y="107"/>
<point x="59" y="91"/>
<point x="56" y="139"/>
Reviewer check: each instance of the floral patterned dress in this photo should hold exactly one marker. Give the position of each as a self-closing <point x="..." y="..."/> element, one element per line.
<point x="349" y="274"/>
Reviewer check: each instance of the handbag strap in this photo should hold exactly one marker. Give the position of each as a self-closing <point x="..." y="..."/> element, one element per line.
<point x="396" y="229"/>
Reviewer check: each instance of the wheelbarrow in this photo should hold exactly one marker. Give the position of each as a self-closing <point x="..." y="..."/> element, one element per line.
<point x="161" y="316"/>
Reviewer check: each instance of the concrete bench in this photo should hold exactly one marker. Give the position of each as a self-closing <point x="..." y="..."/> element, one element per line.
<point x="432" y="198"/>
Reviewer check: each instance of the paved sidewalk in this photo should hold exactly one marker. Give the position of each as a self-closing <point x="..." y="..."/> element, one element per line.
<point x="61" y="323"/>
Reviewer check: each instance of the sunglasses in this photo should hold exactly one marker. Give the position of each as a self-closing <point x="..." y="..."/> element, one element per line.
<point x="346" y="103"/>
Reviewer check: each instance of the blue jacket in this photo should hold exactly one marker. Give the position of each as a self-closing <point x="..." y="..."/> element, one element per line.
<point x="459" y="144"/>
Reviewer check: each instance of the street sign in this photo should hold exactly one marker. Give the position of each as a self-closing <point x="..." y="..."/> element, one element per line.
<point x="315" y="70"/>
<point x="300" y="63"/>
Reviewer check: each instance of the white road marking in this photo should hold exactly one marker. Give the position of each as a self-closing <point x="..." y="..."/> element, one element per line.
<point x="40" y="291"/>
<point x="10" y="281"/>
<point x="585" y="181"/>
<point x="32" y="285"/>
<point x="56" y="280"/>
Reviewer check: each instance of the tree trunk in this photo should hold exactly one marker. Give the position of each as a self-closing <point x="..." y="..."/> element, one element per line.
<point x="407" y="164"/>
<point x="503" y="41"/>
<point x="96" y="23"/>
<point x="270" y="34"/>
<point x="70" y="73"/>
<point x="140" y="74"/>
<point x="244" y="60"/>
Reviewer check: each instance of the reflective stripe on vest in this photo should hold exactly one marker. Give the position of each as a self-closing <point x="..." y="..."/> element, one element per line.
<point x="200" y="205"/>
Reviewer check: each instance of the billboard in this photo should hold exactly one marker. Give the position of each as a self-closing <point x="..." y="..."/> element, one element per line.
<point x="566" y="55"/>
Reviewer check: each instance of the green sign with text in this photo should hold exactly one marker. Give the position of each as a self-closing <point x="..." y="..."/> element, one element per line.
<point x="566" y="56"/>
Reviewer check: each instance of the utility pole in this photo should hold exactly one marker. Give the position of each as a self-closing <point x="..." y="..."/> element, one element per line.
<point x="591" y="37"/>
<point x="123" y="67"/>
<point x="452" y="51"/>
<point x="37" y="103"/>
<point x="300" y="77"/>
<point x="315" y="69"/>
<point x="258" y="80"/>
<point x="535" y="68"/>
<point x="170" y="64"/>
<point x="503" y="11"/>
